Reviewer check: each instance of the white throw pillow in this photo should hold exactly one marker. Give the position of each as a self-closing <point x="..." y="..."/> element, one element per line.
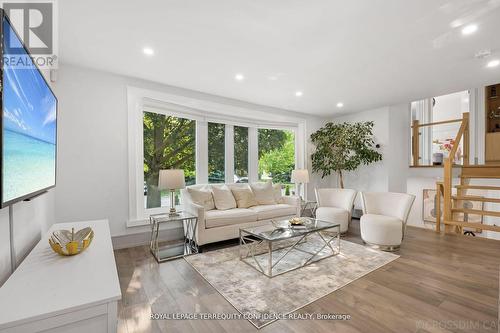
<point x="244" y="197"/>
<point x="278" y="196"/>
<point x="223" y="198"/>
<point x="264" y="193"/>
<point x="202" y="198"/>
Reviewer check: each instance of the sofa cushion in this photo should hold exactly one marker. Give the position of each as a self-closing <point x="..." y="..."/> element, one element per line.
<point x="278" y="194"/>
<point x="202" y="197"/>
<point x="263" y="193"/>
<point x="244" y="197"/>
<point x="218" y="218"/>
<point x="223" y="198"/>
<point x="265" y="212"/>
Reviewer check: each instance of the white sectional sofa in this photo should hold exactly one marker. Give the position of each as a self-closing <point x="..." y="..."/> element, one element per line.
<point x="221" y="224"/>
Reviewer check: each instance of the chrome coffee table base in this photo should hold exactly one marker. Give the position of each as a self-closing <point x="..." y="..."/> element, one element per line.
<point x="250" y="246"/>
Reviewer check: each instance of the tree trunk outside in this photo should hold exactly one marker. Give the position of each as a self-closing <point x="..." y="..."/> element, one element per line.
<point x="341" y="179"/>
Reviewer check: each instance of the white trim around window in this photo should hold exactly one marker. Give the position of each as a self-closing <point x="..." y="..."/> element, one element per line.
<point x="203" y="111"/>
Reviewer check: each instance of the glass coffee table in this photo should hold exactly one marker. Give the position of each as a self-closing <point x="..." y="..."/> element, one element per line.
<point x="278" y="248"/>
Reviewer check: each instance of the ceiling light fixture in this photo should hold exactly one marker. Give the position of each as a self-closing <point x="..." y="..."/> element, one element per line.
<point x="148" y="51"/>
<point x="340" y="105"/>
<point x="469" y="29"/>
<point x="493" y="63"/>
<point x="299" y="93"/>
<point x="239" y="77"/>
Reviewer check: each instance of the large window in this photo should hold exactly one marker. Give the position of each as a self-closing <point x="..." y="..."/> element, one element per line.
<point x="240" y="154"/>
<point x="233" y="144"/>
<point x="276" y="155"/>
<point x="169" y="143"/>
<point x="216" y="153"/>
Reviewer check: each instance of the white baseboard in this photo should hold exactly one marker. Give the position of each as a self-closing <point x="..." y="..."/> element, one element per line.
<point x="143" y="238"/>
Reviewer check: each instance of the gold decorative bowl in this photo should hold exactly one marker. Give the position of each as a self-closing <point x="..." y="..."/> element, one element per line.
<point x="296" y="221"/>
<point x="69" y="243"/>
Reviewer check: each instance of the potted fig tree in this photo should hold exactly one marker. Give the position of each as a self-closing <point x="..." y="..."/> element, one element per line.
<point x="343" y="147"/>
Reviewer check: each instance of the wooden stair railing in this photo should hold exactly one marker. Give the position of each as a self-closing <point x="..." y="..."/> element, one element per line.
<point x="452" y="202"/>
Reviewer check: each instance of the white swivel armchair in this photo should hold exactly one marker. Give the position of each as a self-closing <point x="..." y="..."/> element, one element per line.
<point x="383" y="223"/>
<point x="335" y="205"/>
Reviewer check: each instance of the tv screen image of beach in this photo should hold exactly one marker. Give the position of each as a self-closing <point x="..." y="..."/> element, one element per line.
<point x="29" y="125"/>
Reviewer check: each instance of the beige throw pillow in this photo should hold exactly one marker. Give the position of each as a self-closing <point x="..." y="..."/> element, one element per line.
<point x="202" y="198"/>
<point x="263" y="193"/>
<point x="244" y="197"/>
<point x="278" y="196"/>
<point x="223" y="198"/>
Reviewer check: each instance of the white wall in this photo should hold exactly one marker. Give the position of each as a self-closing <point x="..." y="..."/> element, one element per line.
<point x="374" y="177"/>
<point x="31" y="220"/>
<point x="93" y="164"/>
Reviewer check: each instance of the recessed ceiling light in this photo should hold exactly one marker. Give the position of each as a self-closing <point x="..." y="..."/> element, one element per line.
<point x="299" y="93"/>
<point x="239" y="77"/>
<point x="148" y="51"/>
<point x="469" y="29"/>
<point x="493" y="63"/>
<point x="340" y="104"/>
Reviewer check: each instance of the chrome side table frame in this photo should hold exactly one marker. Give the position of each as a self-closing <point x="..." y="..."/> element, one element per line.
<point x="308" y="205"/>
<point x="176" y="249"/>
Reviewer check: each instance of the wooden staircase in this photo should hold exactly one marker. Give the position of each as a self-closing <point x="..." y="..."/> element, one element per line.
<point x="454" y="214"/>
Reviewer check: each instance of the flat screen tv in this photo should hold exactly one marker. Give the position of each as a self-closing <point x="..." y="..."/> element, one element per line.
<point x="28" y="123"/>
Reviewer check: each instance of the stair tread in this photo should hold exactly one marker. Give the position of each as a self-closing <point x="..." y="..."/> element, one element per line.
<point x="479" y="187"/>
<point x="481" y="226"/>
<point x="479" y="166"/>
<point x="474" y="198"/>
<point x="476" y="211"/>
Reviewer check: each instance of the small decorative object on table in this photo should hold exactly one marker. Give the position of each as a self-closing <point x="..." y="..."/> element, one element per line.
<point x="299" y="222"/>
<point x="437" y="158"/>
<point x="296" y="221"/>
<point x="69" y="243"/>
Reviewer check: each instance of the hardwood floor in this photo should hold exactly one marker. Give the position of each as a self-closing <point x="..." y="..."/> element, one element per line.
<point x="441" y="283"/>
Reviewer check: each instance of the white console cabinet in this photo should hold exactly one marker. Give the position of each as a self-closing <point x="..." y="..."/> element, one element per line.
<point x="52" y="293"/>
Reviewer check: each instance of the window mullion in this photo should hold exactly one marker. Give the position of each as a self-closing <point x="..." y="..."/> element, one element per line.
<point x="201" y="152"/>
<point x="253" y="154"/>
<point x="229" y="154"/>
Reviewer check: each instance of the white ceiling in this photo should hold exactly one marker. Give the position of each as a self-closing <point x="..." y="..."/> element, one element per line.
<point x="364" y="53"/>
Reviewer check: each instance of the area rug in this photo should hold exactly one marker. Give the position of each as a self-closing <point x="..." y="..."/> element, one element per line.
<point x="263" y="300"/>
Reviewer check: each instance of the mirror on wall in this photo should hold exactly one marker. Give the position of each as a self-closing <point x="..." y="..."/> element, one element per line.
<point x="434" y="125"/>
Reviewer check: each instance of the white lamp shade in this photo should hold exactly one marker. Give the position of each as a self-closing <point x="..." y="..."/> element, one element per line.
<point x="172" y="179"/>
<point x="300" y="176"/>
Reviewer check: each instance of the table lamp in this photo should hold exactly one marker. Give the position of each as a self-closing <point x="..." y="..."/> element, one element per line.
<point x="172" y="179"/>
<point x="299" y="177"/>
